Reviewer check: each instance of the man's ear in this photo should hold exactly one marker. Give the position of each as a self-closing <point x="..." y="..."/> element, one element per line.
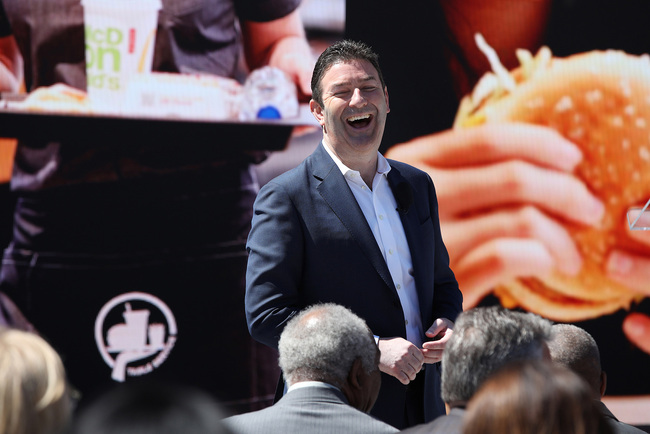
<point x="603" y="383"/>
<point x="353" y="389"/>
<point x="357" y="376"/>
<point x="317" y="111"/>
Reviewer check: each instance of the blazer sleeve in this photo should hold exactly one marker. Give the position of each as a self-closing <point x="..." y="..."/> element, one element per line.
<point x="447" y="298"/>
<point x="275" y="246"/>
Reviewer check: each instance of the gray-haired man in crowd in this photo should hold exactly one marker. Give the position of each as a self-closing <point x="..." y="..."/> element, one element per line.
<point x="329" y="359"/>
<point x="484" y="340"/>
<point x="577" y="350"/>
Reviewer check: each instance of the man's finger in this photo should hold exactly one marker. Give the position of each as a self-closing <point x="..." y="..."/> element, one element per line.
<point x="416" y="354"/>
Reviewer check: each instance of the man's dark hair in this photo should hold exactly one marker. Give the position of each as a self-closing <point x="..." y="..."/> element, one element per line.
<point x="484" y="340"/>
<point x="341" y="52"/>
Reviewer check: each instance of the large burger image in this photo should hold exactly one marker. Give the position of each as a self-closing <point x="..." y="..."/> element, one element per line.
<point x="599" y="100"/>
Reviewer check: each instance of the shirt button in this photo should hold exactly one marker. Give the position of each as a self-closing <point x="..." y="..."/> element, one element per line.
<point x="390" y="251"/>
<point x="406" y="322"/>
<point x="381" y="216"/>
<point x="399" y="286"/>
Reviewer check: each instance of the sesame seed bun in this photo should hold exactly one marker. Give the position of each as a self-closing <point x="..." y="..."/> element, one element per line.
<point x="599" y="100"/>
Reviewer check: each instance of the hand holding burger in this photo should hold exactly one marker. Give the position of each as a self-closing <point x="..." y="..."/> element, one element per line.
<point x="513" y="196"/>
<point x="601" y="102"/>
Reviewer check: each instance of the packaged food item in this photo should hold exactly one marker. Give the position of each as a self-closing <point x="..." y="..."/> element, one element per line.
<point x="268" y="93"/>
<point x="183" y="96"/>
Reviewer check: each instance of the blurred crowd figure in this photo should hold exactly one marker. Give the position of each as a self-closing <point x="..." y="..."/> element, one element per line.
<point x="574" y="348"/>
<point x="34" y="394"/>
<point x="151" y="407"/>
<point x="503" y="371"/>
<point x="329" y="360"/>
<point x="484" y="340"/>
<point x="534" y="397"/>
<point x="135" y="214"/>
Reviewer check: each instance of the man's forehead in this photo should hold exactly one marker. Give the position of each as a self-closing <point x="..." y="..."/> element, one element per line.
<point x="356" y="80"/>
<point x="370" y="73"/>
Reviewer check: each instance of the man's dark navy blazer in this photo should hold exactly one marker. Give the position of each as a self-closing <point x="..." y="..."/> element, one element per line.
<point x="311" y="243"/>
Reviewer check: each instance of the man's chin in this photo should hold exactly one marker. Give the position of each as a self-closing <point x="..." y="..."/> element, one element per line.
<point x="365" y="139"/>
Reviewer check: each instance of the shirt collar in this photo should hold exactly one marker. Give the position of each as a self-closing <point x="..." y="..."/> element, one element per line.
<point x="382" y="164"/>
<point x="303" y="384"/>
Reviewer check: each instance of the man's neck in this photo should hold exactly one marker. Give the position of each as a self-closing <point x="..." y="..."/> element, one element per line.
<point x="365" y="163"/>
<point x="455" y="404"/>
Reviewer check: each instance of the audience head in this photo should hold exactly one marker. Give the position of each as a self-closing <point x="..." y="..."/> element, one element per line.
<point x="341" y="52"/>
<point x="329" y="343"/>
<point x="34" y="397"/>
<point x="485" y="339"/>
<point x="533" y="397"/>
<point x="151" y="408"/>
<point x="575" y="349"/>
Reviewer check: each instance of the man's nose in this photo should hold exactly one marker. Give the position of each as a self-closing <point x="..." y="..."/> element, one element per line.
<point x="357" y="98"/>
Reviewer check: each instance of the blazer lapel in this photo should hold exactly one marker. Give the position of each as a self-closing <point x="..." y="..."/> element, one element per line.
<point x="334" y="189"/>
<point x="417" y="244"/>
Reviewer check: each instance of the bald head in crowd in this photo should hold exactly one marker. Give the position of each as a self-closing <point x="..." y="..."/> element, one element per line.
<point x="576" y="349"/>
<point x="324" y="343"/>
<point x="330" y="362"/>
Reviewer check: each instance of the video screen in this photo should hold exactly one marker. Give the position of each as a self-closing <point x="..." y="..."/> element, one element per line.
<point x="531" y="118"/>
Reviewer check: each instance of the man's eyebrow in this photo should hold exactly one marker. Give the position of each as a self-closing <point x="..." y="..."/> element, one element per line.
<point x="347" y="83"/>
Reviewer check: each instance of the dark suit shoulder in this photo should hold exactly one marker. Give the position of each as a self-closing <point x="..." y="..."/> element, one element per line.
<point x="315" y="166"/>
<point x="322" y="411"/>
<point x="407" y="170"/>
<point x="289" y="178"/>
<point x="451" y="423"/>
<point x="617" y="426"/>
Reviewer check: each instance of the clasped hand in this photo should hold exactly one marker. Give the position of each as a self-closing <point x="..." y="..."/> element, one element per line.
<point x="403" y="360"/>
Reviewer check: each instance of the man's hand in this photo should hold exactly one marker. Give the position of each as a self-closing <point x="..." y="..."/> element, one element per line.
<point x="440" y="332"/>
<point x="400" y="358"/>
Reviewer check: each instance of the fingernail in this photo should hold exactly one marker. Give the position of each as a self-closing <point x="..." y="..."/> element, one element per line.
<point x="619" y="264"/>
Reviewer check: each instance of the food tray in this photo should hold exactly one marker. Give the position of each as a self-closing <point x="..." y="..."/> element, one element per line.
<point x="100" y="128"/>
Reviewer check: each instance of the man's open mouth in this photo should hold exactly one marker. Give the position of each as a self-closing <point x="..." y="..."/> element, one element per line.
<point x="359" y="121"/>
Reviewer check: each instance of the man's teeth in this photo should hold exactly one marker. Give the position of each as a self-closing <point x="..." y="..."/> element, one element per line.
<point x="358" y="118"/>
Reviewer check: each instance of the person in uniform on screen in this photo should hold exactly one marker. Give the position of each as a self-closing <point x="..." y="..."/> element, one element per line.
<point x="96" y="219"/>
